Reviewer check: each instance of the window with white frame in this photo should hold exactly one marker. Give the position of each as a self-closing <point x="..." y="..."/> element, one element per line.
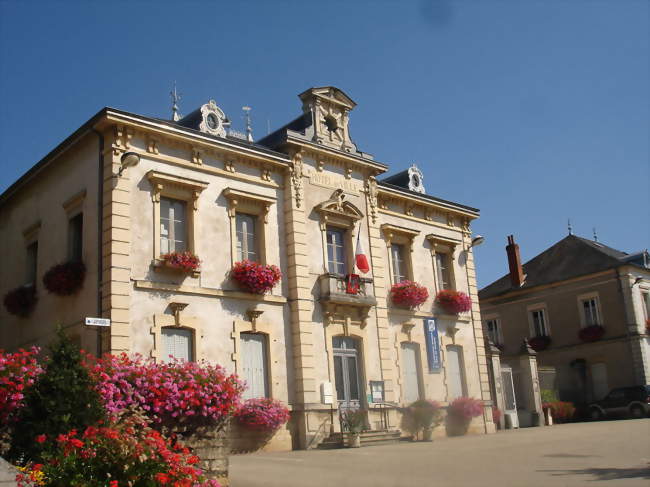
<point x="173" y="225"/>
<point x="397" y="252"/>
<point x="253" y="356"/>
<point x="493" y="327"/>
<point x="246" y="226"/>
<point x="539" y="322"/>
<point x="177" y="343"/>
<point x="336" y="250"/>
<point x="590" y="313"/>
<point x="443" y="272"/>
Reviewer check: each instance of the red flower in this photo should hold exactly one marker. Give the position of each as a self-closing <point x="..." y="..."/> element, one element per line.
<point x="454" y="302"/>
<point x="41" y="438"/>
<point x="163" y="478"/>
<point x="256" y="278"/>
<point x="409" y="294"/>
<point x="186" y="261"/>
<point x="65" y="279"/>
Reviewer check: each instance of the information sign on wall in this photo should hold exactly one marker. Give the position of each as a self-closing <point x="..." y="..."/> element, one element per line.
<point x="433" y="344"/>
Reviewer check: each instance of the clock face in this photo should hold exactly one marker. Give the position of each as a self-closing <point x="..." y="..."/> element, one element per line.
<point x="212" y="121"/>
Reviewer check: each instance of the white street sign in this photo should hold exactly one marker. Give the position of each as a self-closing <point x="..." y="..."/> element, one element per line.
<point x="98" y="321"/>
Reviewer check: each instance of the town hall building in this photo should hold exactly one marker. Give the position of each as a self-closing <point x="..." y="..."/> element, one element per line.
<point x="125" y="190"/>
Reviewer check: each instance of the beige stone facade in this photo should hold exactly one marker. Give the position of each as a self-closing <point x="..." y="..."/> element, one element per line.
<point x="295" y="189"/>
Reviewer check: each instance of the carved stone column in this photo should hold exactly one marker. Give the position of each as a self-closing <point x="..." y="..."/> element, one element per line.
<point x="529" y="384"/>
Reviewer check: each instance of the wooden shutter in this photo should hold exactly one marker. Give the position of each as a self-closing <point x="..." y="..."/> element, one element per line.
<point x="454" y="373"/>
<point x="177" y="342"/>
<point x="410" y="376"/>
<point x="253" y="360"/>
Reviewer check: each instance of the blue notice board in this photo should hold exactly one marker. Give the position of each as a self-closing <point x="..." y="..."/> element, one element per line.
<point x="433" y="344"/>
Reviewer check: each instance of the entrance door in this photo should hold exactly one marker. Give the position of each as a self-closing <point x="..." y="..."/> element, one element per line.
<point x="346" y="372"/>
<point x="411" y="377"/>
<point x="509" y="396"/>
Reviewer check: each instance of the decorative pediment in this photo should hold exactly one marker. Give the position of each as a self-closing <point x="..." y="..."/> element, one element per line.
<point x="338" y="211"/>
<point x="329" y="109"/>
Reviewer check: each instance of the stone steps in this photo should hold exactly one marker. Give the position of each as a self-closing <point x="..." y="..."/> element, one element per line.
<point x="368" y="438"/>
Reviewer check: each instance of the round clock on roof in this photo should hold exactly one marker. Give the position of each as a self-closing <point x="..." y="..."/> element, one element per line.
<point x="214" y="120"/>
<point x="416" y="179"/>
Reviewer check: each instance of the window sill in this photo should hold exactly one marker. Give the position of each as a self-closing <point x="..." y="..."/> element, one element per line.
<point x="162" y="266"/>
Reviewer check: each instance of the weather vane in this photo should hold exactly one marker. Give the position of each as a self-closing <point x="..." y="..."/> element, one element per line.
<point x="176" y="97"/>
<point x="569" y="225"/>
<point x="595" y="236"/>
<point x="249" y="128"/>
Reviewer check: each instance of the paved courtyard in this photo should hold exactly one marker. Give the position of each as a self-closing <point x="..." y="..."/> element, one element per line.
<point x="608" y="453"/>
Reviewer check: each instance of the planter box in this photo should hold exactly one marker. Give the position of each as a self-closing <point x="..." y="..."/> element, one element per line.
<point x="246" y="440"/>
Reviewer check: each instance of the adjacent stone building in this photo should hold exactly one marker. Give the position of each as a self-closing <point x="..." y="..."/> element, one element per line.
<point x="584" y="307"/>
<point x="125" y="189"/>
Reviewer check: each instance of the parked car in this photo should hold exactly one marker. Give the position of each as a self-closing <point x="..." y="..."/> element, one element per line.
<point x="624" y="401"/>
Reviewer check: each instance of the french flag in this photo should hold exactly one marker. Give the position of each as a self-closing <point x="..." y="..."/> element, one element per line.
<point x="360" y="258"/>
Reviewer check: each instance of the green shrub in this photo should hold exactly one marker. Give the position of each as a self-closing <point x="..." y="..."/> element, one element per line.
<point x="549" y="395"/>
<point x="63" y="398"/>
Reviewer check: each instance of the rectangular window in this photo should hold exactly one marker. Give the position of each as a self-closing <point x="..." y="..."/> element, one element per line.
<point x="443" y="273"/>
<point x="411" y="375"/>
<point x="173" y="226"/>
<point x="540" y="328"/>
<point x="399" y="263"/>
<point x="590" y="312"/>
<point x="494" y="331"/>
<point x="645" y="296"/>
<point x="177" y="344"/>
<point x="246" y="239"/>
<point x="455" y="374"/>
<point x="253" y="360"/>
<point x="75" y="238"/>
<point x="336" y="251"/>
<point x="32" y="263"/>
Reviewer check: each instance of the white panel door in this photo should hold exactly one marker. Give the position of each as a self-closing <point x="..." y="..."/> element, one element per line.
<point x="253" y="360"/>
<point x="410" y="375"/>
<point x="177" y="343"/>
<point x="454" y="373"/>
<point x="599" y="381"/>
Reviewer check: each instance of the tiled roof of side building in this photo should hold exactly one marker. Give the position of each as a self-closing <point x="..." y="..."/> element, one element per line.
<point x="572" y="256"/>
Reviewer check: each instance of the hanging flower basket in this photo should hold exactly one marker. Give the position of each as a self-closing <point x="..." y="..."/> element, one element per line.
<point x="184" y="261"/>
<point x="591" y="333"/>
<point x="21" y="300"/>
<point x="256" y="278"/>
<point x="453" y="302"/>
<point x="408" y="294"/>
<point x="539" y="343"/>
<point x="262" y="414"/>
<point x="65" y="279"/>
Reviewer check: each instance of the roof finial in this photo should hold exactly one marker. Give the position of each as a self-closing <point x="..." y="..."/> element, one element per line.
<point x="570" y="228"/>
<point x="176" y="116"/>
<point x="249" y="128"/>
<point x="595" y="236"/>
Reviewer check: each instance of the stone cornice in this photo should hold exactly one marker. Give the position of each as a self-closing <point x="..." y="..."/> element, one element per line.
<point x="438" y="205"/>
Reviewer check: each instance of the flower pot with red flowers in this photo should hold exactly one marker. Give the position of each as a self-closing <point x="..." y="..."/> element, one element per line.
<point x="182" y="261"/>
<point x="539" y="343"/>
<point x="453" y="302"/>
<point x="591" y="333"/>
<point x="21" y="301"/>
<point x="460" y="413"/>
<point x="647" y="326"/>
<point x="65" y="279"/>
<point x="254" y="277"/>
<point x="408" y="294"/>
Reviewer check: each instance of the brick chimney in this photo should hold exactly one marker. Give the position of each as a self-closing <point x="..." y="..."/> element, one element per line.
<point x="514" y="263"/>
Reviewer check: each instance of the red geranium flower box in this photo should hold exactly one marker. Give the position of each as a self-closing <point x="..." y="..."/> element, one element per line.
<point x="408" y="294"/>
<point x="65" y="279"/>
<point x="254" y="277"/>
<point x="591" y="333"/>
<point x="539" y="343"/>
<point x="185" y="261"/>
<point x="453" y="302"/>
<point x="21" y="300"/>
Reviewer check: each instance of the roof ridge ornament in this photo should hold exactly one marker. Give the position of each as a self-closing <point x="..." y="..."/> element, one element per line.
<point x="176" y="97"/>
<point x="416" y="179"/>
<point x="214" y="120"/>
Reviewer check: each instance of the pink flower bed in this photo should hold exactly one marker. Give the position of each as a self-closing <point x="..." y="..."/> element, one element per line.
<point x="256" y="278"/>
<point x="408" y="293"/>
<point x="262" y="414"/>
<point x="453" y="302"/>
<point x="465" y="408"/>
<point x="185" y="261"/>
<point x="177" y="395"/>
<point x="17" y="372"/>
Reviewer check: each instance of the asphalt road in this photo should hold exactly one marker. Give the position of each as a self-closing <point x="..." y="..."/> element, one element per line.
<point x="605" y="453"/>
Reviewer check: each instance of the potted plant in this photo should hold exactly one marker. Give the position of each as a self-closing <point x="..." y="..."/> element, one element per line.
<point x="184" y="261"/>
<point x="460" y="413"/>
<point x="453" y="302"/>
<point x="21" y="301"/>
<point x="65" y="279"/>
<point x="591" y="333"/>
<point x="354" y="421"/>
<point x="421" y="417"/>
<point x="539" y="343"/>
<point x="254" y="277"/>
<point x="408" y="294"/>
<point x="647" y="326"/>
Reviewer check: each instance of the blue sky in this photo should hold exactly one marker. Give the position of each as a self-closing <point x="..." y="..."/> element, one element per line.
<point x="532" y="111"/>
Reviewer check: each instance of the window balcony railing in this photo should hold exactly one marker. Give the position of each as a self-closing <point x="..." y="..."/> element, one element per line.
<point x="351" y="290"/>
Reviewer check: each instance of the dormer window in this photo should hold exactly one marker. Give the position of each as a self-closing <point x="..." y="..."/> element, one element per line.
<point x="330" y="123"/>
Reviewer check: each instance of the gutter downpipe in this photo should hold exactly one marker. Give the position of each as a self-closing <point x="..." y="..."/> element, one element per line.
<point x="100" y="221"/>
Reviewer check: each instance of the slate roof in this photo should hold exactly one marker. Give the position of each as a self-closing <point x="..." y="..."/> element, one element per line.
<point x="572" y="256"/>
<point x="400" y="179"/>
